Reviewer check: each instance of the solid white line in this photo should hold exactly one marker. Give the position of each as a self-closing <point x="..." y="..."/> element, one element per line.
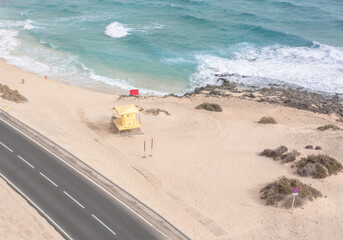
<point x="74" y="199"/>
<point x="40" y="210"/>
<point x="26" y="161"/>
<point x="109" y="229"/>
<point x="48" y="179"/>
<point x="6" y="147"/>
<point x="82" y="174"/>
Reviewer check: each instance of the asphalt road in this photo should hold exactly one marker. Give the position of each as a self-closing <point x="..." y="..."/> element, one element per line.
<point x="75" y="205"/>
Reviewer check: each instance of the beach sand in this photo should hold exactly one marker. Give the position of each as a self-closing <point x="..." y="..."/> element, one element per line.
<point x="205" y="173"/>
<point x="18" y="220"/>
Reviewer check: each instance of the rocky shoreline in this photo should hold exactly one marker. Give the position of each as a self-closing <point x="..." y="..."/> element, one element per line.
<point x="298" y="98"/>
<point x="292" y="97"/>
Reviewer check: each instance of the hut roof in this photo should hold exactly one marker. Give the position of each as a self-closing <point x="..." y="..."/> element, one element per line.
<point x="126" y="109"/>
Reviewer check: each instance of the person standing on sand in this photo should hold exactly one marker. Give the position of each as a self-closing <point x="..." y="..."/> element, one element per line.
<point x="22" y="81"/>
<point x="46" y="77"/>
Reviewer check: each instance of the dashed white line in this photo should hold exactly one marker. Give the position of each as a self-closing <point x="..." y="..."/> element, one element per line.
<point x="48" y="179"/>
<point x="6" y="147"/>
<point x="26" y="161"/>
<point x="73" y="199"/>
<point x="109" y="229"/>
<point x="38" y="208"/>
<point x="84" y="175"/>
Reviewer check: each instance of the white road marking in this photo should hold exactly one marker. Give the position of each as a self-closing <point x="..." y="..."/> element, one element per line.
<point x="6" y="147"/>
<point x="40" y="210"/>
<point x="26" y="161"/>
<point x="82" y="174"/>
<point x="109" y="229"/>
<point x="74" y="199"/>
<point x="48" y="179"/>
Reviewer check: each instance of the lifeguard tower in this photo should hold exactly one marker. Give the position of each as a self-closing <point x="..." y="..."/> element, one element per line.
<point x="125" y="117"/>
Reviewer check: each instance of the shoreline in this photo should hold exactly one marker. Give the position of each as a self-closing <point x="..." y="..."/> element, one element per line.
<point x="200" y="158"/>
<point x="295" y="97"/>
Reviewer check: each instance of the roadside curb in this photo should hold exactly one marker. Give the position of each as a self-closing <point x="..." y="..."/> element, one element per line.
<point x="152" y="217"/>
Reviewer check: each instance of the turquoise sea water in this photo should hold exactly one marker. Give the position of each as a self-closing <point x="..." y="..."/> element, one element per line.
<point x="164" y="46"/>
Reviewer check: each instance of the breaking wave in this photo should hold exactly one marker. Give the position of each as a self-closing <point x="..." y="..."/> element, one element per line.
<point x="117" y="30"/>
<point x="318" y="68"/>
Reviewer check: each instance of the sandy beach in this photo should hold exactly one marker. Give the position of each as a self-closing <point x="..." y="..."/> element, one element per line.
<point x="205" y="173"/>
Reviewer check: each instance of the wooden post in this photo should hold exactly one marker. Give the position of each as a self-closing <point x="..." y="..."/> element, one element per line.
<point x="152" y="146"/>
<point x="139" y="113"/>
<point x="144" y="150"/>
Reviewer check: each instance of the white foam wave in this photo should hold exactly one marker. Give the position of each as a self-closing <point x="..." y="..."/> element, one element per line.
<point x="319" y="68"/>
<point x="44" y="60"/>
<point x="123" y="84"/>
<point x="8" y="44"/>
<point x="26" y="12"/>
<point x="117" y="30"/>
<point x="26" y="24"/>
<point x="179" y="60"/>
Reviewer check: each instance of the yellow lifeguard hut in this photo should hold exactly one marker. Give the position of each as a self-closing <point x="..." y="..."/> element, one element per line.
<point x="125" y="117"/>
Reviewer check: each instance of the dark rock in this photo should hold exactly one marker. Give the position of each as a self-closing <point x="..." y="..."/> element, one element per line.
<point x="309" y="147"/>
<point x="318" y="148"/>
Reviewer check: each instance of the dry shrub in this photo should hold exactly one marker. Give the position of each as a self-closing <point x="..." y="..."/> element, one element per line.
<point x="156" y="111"/>
<point x="276" y="153"/>
<point x="327" y="127"/>
<point x="289" y="157"/>
<point x="11" y="95"/>
<point x="279" y="193"/>
<point x="210" y="107"/>
<point x="140" y="108"/>
<point x="267" y="120"/>
<point x="318" y="166"/>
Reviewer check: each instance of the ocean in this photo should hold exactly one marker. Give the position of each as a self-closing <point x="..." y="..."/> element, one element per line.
<point x="173" y="46"/>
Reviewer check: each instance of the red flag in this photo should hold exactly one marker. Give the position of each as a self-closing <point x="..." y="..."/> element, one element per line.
<point x="134" y="92"/>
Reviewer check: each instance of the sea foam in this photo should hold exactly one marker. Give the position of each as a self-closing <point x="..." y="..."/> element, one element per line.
<point x="117" y="30"/>
<point x="25" y="24"/>
<point x="318" y="68"/>
<point x="57" y="64"/>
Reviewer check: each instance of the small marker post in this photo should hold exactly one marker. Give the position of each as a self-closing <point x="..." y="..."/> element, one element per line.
<point x="144" y="150"/>
<point x="7" y="109"/>
<point x="152" y="146"/>
<point x="295" y="193"/>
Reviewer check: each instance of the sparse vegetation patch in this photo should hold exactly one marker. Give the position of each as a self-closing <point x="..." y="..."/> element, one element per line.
<point x="318" y="166"/>
<point x="281" y="153"/>
<point x="210" y="107"/>
<point x="11" y="95"/>
<point x="276" y="153"/>
<point x="156" y="111"/>
<point x="267" y="120"/>
<point x="327" y="127"/>
<point x="279" y="193"/>
<point x="289" y="157"/>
